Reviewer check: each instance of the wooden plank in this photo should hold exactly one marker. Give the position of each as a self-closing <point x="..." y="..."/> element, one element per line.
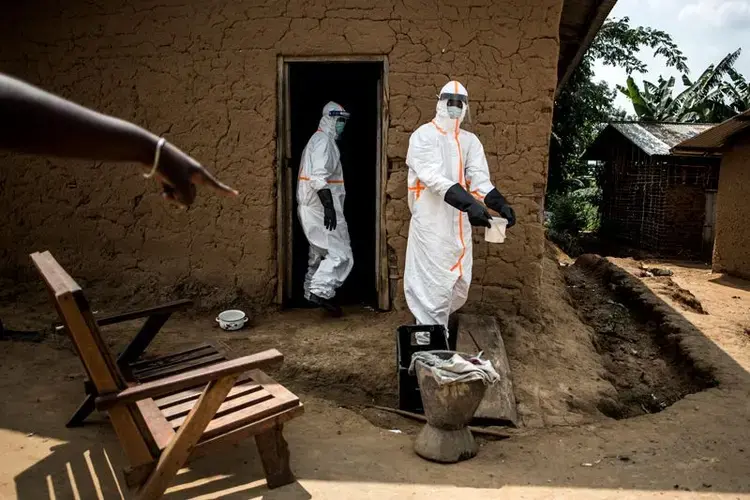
<point x="289" y="183"/>
<point x="244" y="396"/>
<point x="161" y="431"/>
<point x="274" y="388"/>
<point x="336" y="58"/>
<point x="167" y="371"/>
<point x="179" y="449"/>
<point x="229" y="408"/>
<point x="84" y="410"/>
<point x="190" y="379"/>
<point x="112" y="319"/>
<point x="283" y="184"/>
<point x="169" y="307"/>
<point x="171" y="358"/>
<point x="247" y="415"/>
<point x="191" y="394"/>
<point x="465" y="342"/>
<point x="208" y="446"/>
<point x="142" y="339"/>
<point x="73" y="309"/>
<point x="383" y="271"/>
<point x="499" y="402"/>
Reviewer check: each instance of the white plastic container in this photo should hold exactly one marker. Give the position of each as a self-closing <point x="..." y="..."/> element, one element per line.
<point x="496" y="233"/>
<point x="231" y="320"/>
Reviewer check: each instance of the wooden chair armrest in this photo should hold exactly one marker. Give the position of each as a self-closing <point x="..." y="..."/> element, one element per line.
<point x="169" y="307"/>
<point x="189" y="379"/>
<point x="112" y="319"/>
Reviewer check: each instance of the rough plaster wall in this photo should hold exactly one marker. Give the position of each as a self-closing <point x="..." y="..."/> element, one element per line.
<point x="731" y="248"/>
<point x="204" y="74"/>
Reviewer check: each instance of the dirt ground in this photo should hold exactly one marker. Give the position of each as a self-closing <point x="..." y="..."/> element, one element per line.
<point x="572" y="365"/>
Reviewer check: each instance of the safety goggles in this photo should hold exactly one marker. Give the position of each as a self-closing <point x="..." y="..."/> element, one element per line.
<point x="446" y="96"/>
<point x="339" y="114"/>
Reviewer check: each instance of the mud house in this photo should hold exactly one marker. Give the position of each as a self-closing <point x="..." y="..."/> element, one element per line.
<point x="240" y="85"/>
<point x="730" y="141"/>
<point x="653" y="199"/>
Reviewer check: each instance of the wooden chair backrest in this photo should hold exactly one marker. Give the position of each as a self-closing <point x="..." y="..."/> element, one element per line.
<point x="74" y="312"/>
<point x="100" y="366"/>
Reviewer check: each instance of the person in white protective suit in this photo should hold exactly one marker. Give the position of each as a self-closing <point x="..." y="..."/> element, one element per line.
<point x="448" y="183"/>
<point x="320" y="197"/>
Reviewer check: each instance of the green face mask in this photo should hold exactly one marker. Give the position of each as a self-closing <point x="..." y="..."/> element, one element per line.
<point x="340" y="127"/>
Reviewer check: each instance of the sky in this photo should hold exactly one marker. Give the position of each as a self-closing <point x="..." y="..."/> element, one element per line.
<point x="705" y="31"/>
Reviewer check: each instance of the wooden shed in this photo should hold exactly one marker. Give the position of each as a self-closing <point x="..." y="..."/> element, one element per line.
<point x="653" y="199"/>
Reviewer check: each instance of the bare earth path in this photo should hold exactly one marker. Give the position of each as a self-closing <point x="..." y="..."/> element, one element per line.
<point x="697" y="448"/>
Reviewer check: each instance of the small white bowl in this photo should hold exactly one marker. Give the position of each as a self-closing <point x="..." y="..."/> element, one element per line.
<point x="231" y="320"/>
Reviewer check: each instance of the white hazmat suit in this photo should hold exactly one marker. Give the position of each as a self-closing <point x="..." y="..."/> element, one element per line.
<point x="439" y="250"/>
<point x="330" y="258"/>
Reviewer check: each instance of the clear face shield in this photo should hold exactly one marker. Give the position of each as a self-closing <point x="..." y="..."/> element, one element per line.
<point x="341" y="118"/>
<point x="456" y="103"/>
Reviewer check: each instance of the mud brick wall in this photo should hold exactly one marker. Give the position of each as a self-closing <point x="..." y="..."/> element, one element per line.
<point x="731" y="247"/>
<point x="203" y="72"/>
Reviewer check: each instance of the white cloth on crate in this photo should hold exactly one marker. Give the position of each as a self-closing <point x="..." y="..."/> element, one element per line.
<point x="456" y="369"/>
<point x="330" y="257"/>
<point x="438" y="265"/>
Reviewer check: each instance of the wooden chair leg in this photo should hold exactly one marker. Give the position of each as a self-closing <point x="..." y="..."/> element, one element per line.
<point x="183" y="442"/>
<point x="86" y="408"/>
<point x="274" y="453"/>
<point x="142" y="339"/>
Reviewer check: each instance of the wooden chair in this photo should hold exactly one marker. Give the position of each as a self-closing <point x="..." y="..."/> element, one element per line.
<point x="128" y="362"/>
<point x="163" y="422"/>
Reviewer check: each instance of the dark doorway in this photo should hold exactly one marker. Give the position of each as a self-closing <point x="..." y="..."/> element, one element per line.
<point x="356" y="86"/>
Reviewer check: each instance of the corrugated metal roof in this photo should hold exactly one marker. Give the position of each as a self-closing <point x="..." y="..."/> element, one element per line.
<point x="714" y="139"/>
<point x="656" y="139"/>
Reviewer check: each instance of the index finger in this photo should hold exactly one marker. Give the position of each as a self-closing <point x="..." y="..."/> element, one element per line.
<point x="205" y="178"/>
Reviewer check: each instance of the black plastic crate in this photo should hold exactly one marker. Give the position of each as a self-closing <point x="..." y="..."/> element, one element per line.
<point x="409" y="398"/>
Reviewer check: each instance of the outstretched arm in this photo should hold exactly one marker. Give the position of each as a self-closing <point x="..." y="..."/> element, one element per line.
<point x="36" y="122"/>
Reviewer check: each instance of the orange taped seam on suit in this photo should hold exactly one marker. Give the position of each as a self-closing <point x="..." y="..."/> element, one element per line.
<point x="336" y="181"/>
<point x="418" y="188"/>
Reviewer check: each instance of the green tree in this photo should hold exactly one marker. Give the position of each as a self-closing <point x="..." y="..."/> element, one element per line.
<point x="585" y="104"/>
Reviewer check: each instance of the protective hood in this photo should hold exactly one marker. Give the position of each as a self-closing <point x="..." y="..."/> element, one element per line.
<point x="451" y="90"/>
<point x="331" y="112"/>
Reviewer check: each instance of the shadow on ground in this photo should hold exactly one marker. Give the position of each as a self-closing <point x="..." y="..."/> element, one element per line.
<point x="698" y="444"/>
<point x="729" y="281"/>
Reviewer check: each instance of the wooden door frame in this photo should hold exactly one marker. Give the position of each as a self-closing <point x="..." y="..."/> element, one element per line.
<point x="284" y="194"/>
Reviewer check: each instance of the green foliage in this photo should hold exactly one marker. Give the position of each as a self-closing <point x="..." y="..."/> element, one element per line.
<point x="575" y="212"/>
<point x="584" y="105"/>
<point x="618" y="44"/>
<point x="717" y="95"/>
<point x="580" y="110"/>
<point x="571" y="215"/>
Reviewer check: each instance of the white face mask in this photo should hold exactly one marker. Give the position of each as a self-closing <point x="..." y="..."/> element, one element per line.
<point x="454" y="112"/>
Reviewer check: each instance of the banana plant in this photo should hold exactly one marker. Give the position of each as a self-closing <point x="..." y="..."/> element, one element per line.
<point x="719" y="93"/>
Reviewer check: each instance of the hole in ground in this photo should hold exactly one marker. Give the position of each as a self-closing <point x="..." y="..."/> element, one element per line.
<point x="644" y="364"/>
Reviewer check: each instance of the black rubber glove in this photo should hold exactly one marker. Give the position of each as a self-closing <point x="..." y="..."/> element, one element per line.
<point x="499" y="204"/>
<point x="459" y="198"/>
<point x="329" y="212"/>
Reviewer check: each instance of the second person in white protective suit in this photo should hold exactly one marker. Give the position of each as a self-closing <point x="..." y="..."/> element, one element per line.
<point x="449" y="186"/>
<point x="320" y="198"/>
